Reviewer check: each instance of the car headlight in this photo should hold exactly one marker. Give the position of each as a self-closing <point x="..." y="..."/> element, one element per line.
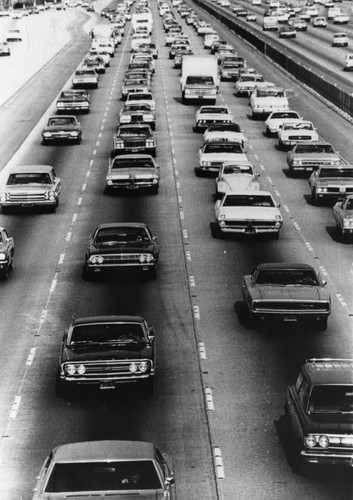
<point x="70" y="369"/>
<point x="149" y="257"/>
<point x="47" y="134"/>
<point x="142" y="258"/>
<point x="150" y="143"/>
<point x="321" y="190"/>
<point x="143" y="366"/>
<point x="133" y="367"/>
<point x="4" y="197"/>
<point x="323" y="441"/>
<point x="81" y="369"/>
<point x="96" y="259"/>
<point x="74" y="133"/>
<point x="206" y="163"/>
<point x="2" y="256"/>
<point x="310" y="441"/>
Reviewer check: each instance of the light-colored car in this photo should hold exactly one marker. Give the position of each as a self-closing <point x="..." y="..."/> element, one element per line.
<point x="278" y="118"/>
<point x="101" y="52"/>
<point x="331" y="182"/>
<point x="341" y="19"/>
<point x="101" y="469"/>
<point x="252" y="18"/>
<point x="236" y="177"/>
<point x="207" y="115"/>
<point x="62" y="128"/>
<point x="224" y="132"/>
<point x="265" y="100"/>
<point x="30" y="186"/>
<point x="209" y="39"/>
<point x="339" y="40"/>
<point x="5" y="49"/>
<point x="304" y="156"/>
<point x="319" y="22"/>
<point x="138" y="113"/>
<point x="85" y="77"/>
<point x="291" y="133"/>
<point x="247" y="212"/>
<point x="348" y="62"/>
<point x="132" y="172"/>
<point x="14" y="35"/>
<point x="214" y="153"/>
<point x="343" y="214"/>
<point x="141" y="98"/>
<point x="246" y="83"/>
<point x="230" y="67"/>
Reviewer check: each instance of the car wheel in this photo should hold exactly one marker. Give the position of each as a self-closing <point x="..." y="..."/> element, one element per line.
<point x="198" y="172"/>
<point x="5" y="210"/>
<point x="107" y="191"/>
<point x="152" y="273"/>
<point x="60" y="388"/>
<point x="215" y="231"/>
<point x="78" y="140"/>
<point x="314" y="197"/>
<point x="148" y="387"/>
<point x="268" y="132"/>
<point x="292" y="172"/>
<point x="322" y="324"/>
<point x="86" y="273"/>
<point x="4" y="273"/>
<point x="275" y="236"/>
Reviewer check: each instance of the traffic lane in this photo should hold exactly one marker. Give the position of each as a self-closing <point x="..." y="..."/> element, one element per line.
<point x="180" y="422"/>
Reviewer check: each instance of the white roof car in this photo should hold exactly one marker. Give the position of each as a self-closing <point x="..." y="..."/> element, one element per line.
<point x="141" y="98"/>
<point x="319" y="22"/>
<point x="348" y="62"/>
<point x="224" y="131"/>
<point x="292" y="132"/>
<point x="341" y="19"/>
<point x="340" y="40"/>
<point x="211" y="114"/>
<point x="264" y="100"/>
<point x="277" y="118"/>
<point x="235" y="177"/>
<point x="246" y="83"/>
<point x="214" y="153"/>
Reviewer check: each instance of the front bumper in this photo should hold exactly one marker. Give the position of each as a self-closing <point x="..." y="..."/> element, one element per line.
<point x="327" y="458"/>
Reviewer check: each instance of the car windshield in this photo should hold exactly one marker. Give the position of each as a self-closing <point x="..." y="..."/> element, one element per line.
<point x="331" y="399"/>
<point x="29" y="178"/>
<point x="83" y="72"/>
<point x="284" y="114"/>
<point x="121" y="235"/>
<point x="336" y="172"/>
<point x="213" y="109"/>
<point x="287" y="277"/>
<point x="140" y="97"/>
<point x="237" y="169"/>
<point x="250" y="78"/>
<point x="132" y="163"/>
<point x="196" y="80"/>
<point x="73" y="96"/>
<point x="132" y="131"/>
<point x="267" y="92"/>
<point x="106" y="333"/>
<point x="223" y="147"/>
<point x="314" y="148"/>
<point x="224" y="127"/>
<point x="298" y="126"/>
<point x="110" y="475"/>
<point x="236" y="200"/>
<point x="61" y="121"/>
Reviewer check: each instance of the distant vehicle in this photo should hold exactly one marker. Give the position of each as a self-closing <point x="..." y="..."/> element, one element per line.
<point x="287" y="32"/>
<point x="252" y="18"/>
<point x="207" y="115"/>
<point x="141" y="98"/>
<point x="234" y="177"/>
<point x="340" y="40"/>
<point x="319" y="410"/>
<point x="134" y="138"/>
<point x="30" y="186"/>
<point x="348" y="62"/>
<point x="106" y="468"/>
<point x="138" y="113"/>
<point x="5" y="49"/>
<point x="305" y="156"/>
<point x="224" y="131"/>
<point x="343" y="213"/>
<point x="278" y="118"/>
<point x="214" y="153"/>
<point x="298" y="24"/>
<point x="63" y="128"/>
<point x="85" y="77"/>
<point x="287" y="292"/>
<point x="14" y="35"/>
<point x="341" y="19"/>
<point x="265" y="100"/>
<point x="246" y="83"/>
<point x="319" y="22"/>
<point x="291" y="133"/>
<point x="7" y="251"/>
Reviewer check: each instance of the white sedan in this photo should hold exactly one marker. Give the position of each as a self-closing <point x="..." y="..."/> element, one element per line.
<point x="224" y="132"/>
<point x="277" y="118"/>
<point x="206" y="115"/>
<point x="213" y="154"/>
<point x="292" y="133"/>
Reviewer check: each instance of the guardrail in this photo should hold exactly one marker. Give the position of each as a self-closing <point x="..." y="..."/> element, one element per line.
<point x="328" y="90"/>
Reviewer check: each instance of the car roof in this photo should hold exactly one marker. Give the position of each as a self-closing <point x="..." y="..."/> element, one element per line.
<point x="103" y="450"/>
<point x="283" y="265"/>
<point x="107" y="319"/>
<point x="19" y="169"/>
<point x="247" y="192"/>
<point x="329" y="371"/>
<point x="122" y="224"/>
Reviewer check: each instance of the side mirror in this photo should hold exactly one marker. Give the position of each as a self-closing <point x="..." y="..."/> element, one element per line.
<point x="169" y="480"/>
<point x="257" y="174"/>
<point x="324" y="282"/>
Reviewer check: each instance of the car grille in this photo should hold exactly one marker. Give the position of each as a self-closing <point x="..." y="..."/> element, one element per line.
<point x="200" y="92"/>
<point x="131" y="182"/>
<point x="340" y="189"/>
<point x="299" y="137"/>
<point x="135" y="143"/>
<point x="291" y="305"/>
<point x="130" y="258"/>
<point x="250" y="224"/>
<point x="109" y="369"/>
<point x="318" y="161"/>
<point x="26" y="197"/>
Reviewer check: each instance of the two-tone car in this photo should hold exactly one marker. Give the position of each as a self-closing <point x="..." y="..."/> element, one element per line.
<point x="85" y="77"/>
<point x="29" y="186"/>
<point x="246" y="212"/>
<point x="277" y="118"/>
<point x="246" y="83"/>
<point x="286" y="292"/>
<point x="103" y="469"/>
<point x="62" y="128"/>
<point x="304" y="156"/>
<point x="138" y="113"/>
<point x="207" y="115"/>
<point x="132" y="172"/>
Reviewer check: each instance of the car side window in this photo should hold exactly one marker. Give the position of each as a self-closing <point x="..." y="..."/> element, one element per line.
<point x="303" y="393"/>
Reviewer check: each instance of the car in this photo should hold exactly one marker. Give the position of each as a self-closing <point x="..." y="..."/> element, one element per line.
<point x="141" y="98"/>
<point x="319" y="22"/>
<point x="229" y="69"/>
<point x="207" y="115"/>
<point x="234" y="177"/>
<point x="343" y="214"/>
<point x="134" y="138"/>
<point x="246" y="83"/>
<point x="62" y="128"/>
<point x="287" y="32"/>
<point x="138" y="113"/>
<point x="214" y="153"/>
<point x="131" y="85"/>
<point x="7" y="251"/>
<point x="224" y="131"/>
<point x="209" y="39"/>
<point x="304" y="156"/>
<point x="291" y="133"/>
<point x="286" y="292"/>
<point x="73" y="100"/>
<point x="85" y="77"/>
<point x="106" y="44"/>
<point x="5" y="49"/>
<point x="348" y="62"/>
<point x="246" y="212"/>
<point x="331" y="182"/>
<point x="94" y="61"/>
<point x="149" y="48"/>
<point x="341" y="18"/>
<point x="106" y="468"/>
<point x="177" y="45"/>
<point x="265" y="100"/>
<point x="132" y="172"/>
<point x="123" y="246"/>
<point x="298" y="24"/>
<point x="252" y="18"/>
<point x="241" y="12"/>
<point x="278" y="118"/>
<point x="100" y="52"/>
<point x="319" y="412"/>
<point x="224" y="52"/>
<point x="14" y="35"/>
<point x="104" y="352"/>
<point x="340" y="40"/>
<point x="30" y="186"/>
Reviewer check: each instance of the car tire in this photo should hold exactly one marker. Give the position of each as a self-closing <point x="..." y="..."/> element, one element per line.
<point x="148" y="387"/>
<point x="86" y="273"/>
<point x="4" y="273"/>
<point x="5" y="210"/>
<point x="322" y="324"/>
<point x="152" y="273"/>
<point x="107" y="191"/>
<point x="215" y="231"/>
<point x="198" y="172"/>
<point x="314" y="197"/>
<point x="275" y="236"/>
<point x="60" y="388"/>
<point x="78" y="140"/>
<point x="154" y="190"/>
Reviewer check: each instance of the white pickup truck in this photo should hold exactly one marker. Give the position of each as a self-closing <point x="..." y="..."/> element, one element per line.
<point x="264" y="100"/>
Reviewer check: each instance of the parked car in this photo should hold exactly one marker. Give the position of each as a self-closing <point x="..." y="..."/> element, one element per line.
<point x="291" y="133"/>
<point x="246" y="212"/>
<point x="132" y="172"/>
<point x="331" y="183"/>
<point x="106" y="468"/>
<point x="288" y="292"/>
<point x="319" y="409"/>
<point x="30" y="186"/>
<point x="7" y="251"/>
<point x="73" y="100"/>
<point x="62" y="128"/>
<point x="343" y="213"/>
<point x="304" y="156"/>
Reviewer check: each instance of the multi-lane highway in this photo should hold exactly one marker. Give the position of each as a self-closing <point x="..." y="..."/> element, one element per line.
<point x="220" y="387"/>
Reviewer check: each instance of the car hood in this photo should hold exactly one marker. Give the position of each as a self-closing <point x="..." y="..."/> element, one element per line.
<point x="336" y="423"/>
<point x="342" y="181"/>
<point x="221" y="157"/>
<point x="121" y="248"/>
<point x="259" y="213"/>
<point x="96" y="353"/>
<point x="298" y="292"/>
<point x="132" y="173"/>
<point x="56" y="128"/>
<point x="28" y="188"/>
<point x="217" y="117"/>
<point x="155" y="495"/>
<point x="240" y="182"/>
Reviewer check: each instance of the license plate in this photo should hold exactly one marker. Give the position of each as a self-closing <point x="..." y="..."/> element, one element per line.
<point x="134" y="150"/>
<point x="290" y="317"/>
<point x="133" y="186"/>
<point x="106" y="386"/>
